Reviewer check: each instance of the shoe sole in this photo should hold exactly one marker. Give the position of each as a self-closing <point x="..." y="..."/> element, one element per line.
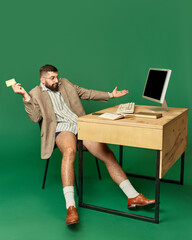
<point x="137" y="206"/>
<point x="75" y="222"/>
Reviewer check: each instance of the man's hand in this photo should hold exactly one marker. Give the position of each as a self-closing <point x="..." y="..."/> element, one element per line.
<point x="116" y="94"/>
<point x="20" y="90"/>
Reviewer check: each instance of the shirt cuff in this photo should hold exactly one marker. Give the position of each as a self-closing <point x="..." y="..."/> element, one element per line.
<point x="28" y="99"/>
<point x="110" y="95"/>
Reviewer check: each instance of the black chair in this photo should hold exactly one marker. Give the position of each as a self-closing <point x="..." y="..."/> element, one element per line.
<point x="47" y="164"/>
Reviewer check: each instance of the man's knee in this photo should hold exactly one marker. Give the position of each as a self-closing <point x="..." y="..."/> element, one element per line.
<point x="69" y="153"/>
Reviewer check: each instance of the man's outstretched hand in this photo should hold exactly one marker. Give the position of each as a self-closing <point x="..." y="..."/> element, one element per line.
<point x="116" y="94"/>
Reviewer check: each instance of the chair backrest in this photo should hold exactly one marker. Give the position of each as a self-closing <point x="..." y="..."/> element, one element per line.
<point x="40" y="123"/>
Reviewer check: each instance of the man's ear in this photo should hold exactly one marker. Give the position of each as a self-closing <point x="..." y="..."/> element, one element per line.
<point x="42" y="79"/>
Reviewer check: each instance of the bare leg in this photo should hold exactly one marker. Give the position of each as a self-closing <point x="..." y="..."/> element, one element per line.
<point x="66" y="142"/>
<point x="102" y="151"/>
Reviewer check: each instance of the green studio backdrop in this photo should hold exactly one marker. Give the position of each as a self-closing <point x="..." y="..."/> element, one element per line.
<point x="97" y="45"/>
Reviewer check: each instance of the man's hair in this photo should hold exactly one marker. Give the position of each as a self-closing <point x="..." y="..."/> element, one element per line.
<point x="47" y="68"/>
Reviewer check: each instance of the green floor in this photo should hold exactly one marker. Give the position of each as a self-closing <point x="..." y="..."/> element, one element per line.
<point x="28" y="212"/>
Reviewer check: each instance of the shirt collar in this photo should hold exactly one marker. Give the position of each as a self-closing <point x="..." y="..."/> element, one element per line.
<point x="43" y="87"/>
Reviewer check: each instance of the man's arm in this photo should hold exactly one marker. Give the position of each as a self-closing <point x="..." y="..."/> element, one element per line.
<point x="89" y="94"/>
<point x="99" y="95"/>
<point x="31" y="107"/>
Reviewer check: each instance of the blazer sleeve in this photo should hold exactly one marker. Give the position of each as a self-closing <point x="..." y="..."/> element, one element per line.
<point x="33" y="110"/>
<point x="89" y="94"/>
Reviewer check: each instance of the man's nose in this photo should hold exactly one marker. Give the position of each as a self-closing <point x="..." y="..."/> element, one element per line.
<point x="56" y="80"/>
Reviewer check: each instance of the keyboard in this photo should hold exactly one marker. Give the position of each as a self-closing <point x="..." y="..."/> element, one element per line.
<point x="126" y="108"/>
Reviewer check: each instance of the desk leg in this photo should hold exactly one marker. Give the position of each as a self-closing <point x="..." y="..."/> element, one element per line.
<point x="80" y="173"/>
<point x="157" y="188"/>
<point x="134" y="216"/>
<point x="182" y="168"/>
<point x="120" y="155"/>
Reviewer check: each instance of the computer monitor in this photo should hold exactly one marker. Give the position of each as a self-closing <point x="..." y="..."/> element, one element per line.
<point x="156" y="86"/>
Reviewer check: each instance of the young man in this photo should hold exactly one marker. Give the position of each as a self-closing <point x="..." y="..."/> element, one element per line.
<point x="56" y="103"/>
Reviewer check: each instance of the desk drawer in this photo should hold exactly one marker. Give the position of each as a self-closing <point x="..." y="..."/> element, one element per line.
<point x="121" y="135"/>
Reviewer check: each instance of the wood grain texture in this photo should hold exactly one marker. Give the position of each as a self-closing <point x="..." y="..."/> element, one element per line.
<point x="174" y="143"/>
<point x="167" y="134"/>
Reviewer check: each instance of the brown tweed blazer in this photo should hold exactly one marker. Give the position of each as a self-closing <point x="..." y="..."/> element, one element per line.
<point x="40" y="108"/>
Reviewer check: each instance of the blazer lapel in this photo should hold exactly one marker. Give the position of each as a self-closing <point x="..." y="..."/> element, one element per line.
<point x="64" y="94"/>
<point x="47" y="103"/>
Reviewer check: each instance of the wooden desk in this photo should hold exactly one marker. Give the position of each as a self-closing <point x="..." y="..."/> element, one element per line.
<point x="167" y="135"/>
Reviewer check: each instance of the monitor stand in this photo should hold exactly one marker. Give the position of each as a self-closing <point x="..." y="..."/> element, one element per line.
<point x="164" y="107"/>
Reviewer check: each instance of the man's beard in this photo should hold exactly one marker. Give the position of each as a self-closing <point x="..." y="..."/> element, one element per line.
<point x="54" y="87"/>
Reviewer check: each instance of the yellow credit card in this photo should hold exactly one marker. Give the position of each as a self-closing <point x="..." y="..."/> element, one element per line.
<point x="10" y="82"/>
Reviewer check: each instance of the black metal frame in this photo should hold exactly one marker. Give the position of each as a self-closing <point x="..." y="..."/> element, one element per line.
<point x="157" y="187"/>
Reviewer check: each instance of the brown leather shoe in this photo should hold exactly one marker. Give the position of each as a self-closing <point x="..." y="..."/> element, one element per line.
<point x="140" y="201"/>
<point x="72" y="216"/>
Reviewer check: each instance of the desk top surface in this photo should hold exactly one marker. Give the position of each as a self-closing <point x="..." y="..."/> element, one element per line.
<point x="169" y="116"/>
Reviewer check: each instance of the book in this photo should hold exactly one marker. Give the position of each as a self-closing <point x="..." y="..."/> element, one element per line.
<point x="148" y="115"/>
<point x="111" y="116"/>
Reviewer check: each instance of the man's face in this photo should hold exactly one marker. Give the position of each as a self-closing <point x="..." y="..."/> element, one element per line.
<point x="50" y="80"/>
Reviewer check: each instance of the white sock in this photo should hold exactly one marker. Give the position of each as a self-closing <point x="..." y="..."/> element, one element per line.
<point x="69" y="196"/>
<point x="128" y="189"/>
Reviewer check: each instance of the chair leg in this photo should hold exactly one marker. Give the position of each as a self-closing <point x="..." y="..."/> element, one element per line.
<point x="45" y="174"/>
<point x="98" y="168"/>
<point x="76" y="185"/>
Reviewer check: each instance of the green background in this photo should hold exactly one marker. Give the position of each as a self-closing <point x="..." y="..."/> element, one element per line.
<point x="98" y="45"/>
